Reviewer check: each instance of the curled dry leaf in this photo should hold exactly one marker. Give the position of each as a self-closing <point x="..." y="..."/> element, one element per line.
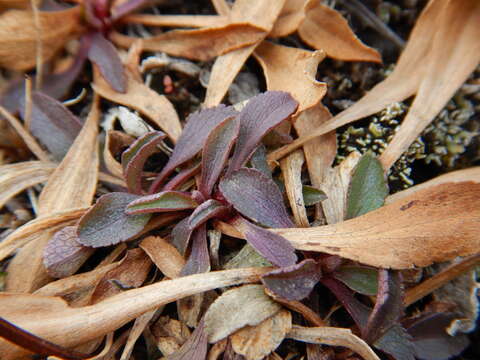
<point x="45" y="316"/>
<point x="19" y="35"/>
<point x="431" y="225"/>
<point x="256" y="342"/>
<point x="292" y="70"/>
<point x="292" y="14"/>
<point x="236" y="308"/>
<point x="14" y="178"/>
<point x="333" y="336"/>
<point x="326" y="29"/>
<point x="115" y="142"/>
<point x="164" y="255"/>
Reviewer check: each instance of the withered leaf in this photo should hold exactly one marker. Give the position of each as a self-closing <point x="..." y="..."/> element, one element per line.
<point x="106" y="223"/>
<point x="236" y="308"/>
<point x="292" y="14"/>
<point x="164" y="255"/>
<point x="195" y="348"/>
<point x="161" y="202"/>
<point x="294" y="282"/>
<point x="256" y="196"/>
<point x="361" y="279"/>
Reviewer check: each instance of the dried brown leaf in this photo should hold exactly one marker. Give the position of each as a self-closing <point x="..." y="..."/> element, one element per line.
<point x="147" y="101"/>
<point x="165" y="256"/>
<point x="19" y="35"/>
<point x="115" y="143"/>
<point x="326" y="29"/>
<point x="431" y="225"/>
<point x="186" y="21"/>
<point x="292" y="14"/>
<point x="256" y="342"/>
<point x="292" y="70"/>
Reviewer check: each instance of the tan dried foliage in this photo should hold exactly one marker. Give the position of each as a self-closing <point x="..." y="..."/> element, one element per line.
<point x="193" y="21"/>
<point x="256" y="342"/>
<point x="147" y="101"/>
<point x="115" y="142"/>
<point x="326" y="29"/>
<point x="292" y="14"/>
<point x="19" y="35"/>
<point x="431" y="225"/>
<point x="164" y="255"/>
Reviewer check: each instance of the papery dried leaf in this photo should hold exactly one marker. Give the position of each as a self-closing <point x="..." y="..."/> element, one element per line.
<point x="333" y="336"/>
<point x="261" y="114"/>
<point x="293" y="282"/>
<point x="292" y="14"/>
<point x="107" y="223"/>
<point x="89" y="322"/>
<point x="51" y="117"/>
<point x="431" y="340"/>
<point x="195" y="348"/>
<point x="247" y="257"/>
<point x="236" y="308"/>
<point x="164" y="255"/>
<point x="254" y="195"/>
<point x="164" y="201"/>
<point x="396" y="342"/>
<point x="312" y="195"/>
<point x="14" y="178"/>
<point x="388" y="307"/>
<point x="368" y="187"/>
<point x="104" y="55"/>
<point x="115" y="143"/>
<point x="135" y="157"/>
<point x="63" y="255"/>
<point x="199" y="125"/>
<point x="292" y="70"/>
<point x="19" y="35"/>
<point x="202" y="44"/>
<point x="215" y="153"/>
<point x="206" y="211"/>
<point x="137" y="330"/>
<point x="431" y="225"/>
<point x="178" y="21"/>
<point x="326" y="29"/>
<point x="361" y="279"/>
<point x="274" y="248"/>
<point x="199" y="259"/>
<point x="256" y="342"/>
<point x="147" y="101"/>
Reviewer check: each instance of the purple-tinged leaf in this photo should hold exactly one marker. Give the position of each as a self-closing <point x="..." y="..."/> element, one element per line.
<point x="134" y="158"/>
<point x="396" y="342"/>
<point x="193" y="137"/>
<point x="206" y="211"/>
<point x="107" y="223"/>
<point x="215" y="153"/>
<point x="271" y="246"/>
<point x="256" y="196"/>
<point x="262" y="113"/>
<point x="431" y="340"/>
<point x="361" y="279"/>
<point x="161" y="202"/>
<point x="259" y="161"/>
<point x="53" y="124"/>
<point x="64" y="255"/>
<point x="199" y="259"/>
<point x="182" y="177"/>
<point x="181" y="235"/>
<point x="294" y="282"/>
<point x="388" y="307"/>
<point x="195" y="348"/>
<point x="105" y="56"/>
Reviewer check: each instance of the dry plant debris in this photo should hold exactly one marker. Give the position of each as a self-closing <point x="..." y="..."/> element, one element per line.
<point x="115" y="205"/>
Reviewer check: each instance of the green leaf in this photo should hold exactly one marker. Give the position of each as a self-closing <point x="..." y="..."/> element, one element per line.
<point x="247" y="257"/>
<point x="161" y="202"/>
<point x="368" y="187"/>
<point x="312" y="195"/>
<point x="361" y="279"/>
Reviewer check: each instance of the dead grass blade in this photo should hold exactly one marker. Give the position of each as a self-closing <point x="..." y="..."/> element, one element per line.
<point x="147" y="101"/>
<point x="45" y="316"/>
<point x="15" y="178"/>
<point x="292" y="14"/>
<point x="326" y="29"/>
<point x="72" y="185"/>
<point x="292" y="70"/>
<point x="187" y="21"/>
<point x="335" y="337"/>
<point x="432" y="225"/>
<point x="18" y="34"/>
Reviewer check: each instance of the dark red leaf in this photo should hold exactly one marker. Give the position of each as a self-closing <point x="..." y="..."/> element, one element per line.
<point x="431" y="340"/>
<point x="53" y="124"/>
<point x="63" y="254"/>
<point x="105" y="56"/>
<point x="256" y="196"/>
<point x="215" y="153"/>
<point x="199" y="259"/>
<point x="181" y="235"/>
<point x="206" y="211"/>
<point x="195" y="348"/>
<point x="388" y="307"/>
<point x="271" y="246"/>
<point x="293" y="282"/>
<point x="107" y="223"/>
<point x="164" y="201"/>
<point x="134" y="158"/>
<point x="262" y="113"/>
<point x="193" y="137"/>
<point x="396" y="342"/>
